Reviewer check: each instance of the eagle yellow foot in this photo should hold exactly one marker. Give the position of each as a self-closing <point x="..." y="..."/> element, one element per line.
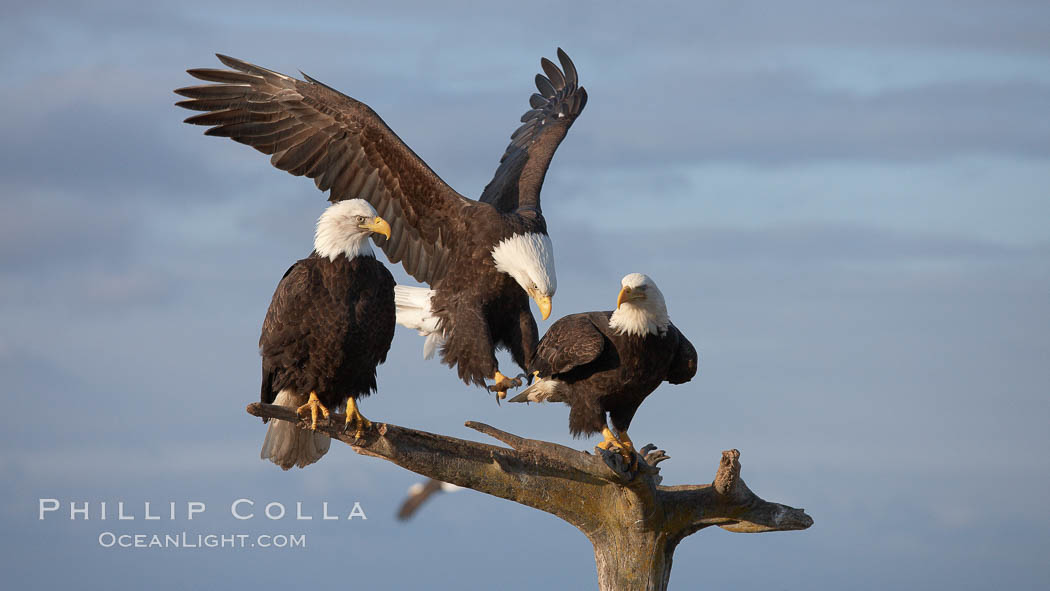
<point x="628" y="446"/>
<point x="354" y="417"/>
<point x="626" y="441"/>
<point x="503" y="383"/>
<point x="313" y="405"/>
<point x="621" y="445"/>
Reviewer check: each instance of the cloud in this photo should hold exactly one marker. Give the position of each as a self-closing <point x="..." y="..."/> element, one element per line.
<point x="39" y="227"/>
<point x="816" y="243"/>
<point x="101" y="133"/>
<point x="787" y="117"/>
<point x="103" y="122"/>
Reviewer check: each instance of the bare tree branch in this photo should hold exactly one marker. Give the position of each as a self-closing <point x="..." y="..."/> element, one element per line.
<point x="633" y="522"/>
<point x="728" y="503"/>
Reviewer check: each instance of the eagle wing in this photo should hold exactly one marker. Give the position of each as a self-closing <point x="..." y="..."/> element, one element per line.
<point x="311" y="129"/>
<point x="570" y="342"/>
<point x="417" y="495"/>
<point x="517" y="182"/>
<point x="282" y="342"/>
<point x="685" y="361"/>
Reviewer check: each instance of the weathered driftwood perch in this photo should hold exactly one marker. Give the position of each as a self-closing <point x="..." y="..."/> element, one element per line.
<point x="633" y="522"/>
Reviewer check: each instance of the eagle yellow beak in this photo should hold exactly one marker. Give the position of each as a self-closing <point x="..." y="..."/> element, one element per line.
<point x="379" y="226"/>
<point x="627" y="294"/>
<point x="544" y="304"/>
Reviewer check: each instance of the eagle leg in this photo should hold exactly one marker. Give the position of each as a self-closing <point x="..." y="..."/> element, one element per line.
<point x="628" y="446"/>
<point x="313" y="405"/>
<point x="610" y="442"/>
<point x="503" y="383"/>
<point x="354" y="417"/>
<point x="626" y="441"/>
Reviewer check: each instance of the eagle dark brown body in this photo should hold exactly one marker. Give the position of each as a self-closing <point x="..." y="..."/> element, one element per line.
<point x="606" y="372"/>
<point x="476" y="304"/>
<point x="329" y="325"/>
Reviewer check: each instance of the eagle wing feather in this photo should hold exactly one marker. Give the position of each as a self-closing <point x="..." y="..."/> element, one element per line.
<point x="519" y="178"/>
<point x="313" y="130"/>
<point x="686" y="361"/>
<point x="283" y="342"/>
<point x="570" y="342"/>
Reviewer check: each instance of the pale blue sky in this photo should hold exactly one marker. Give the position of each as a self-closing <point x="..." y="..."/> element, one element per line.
<point x="845" y="205"/>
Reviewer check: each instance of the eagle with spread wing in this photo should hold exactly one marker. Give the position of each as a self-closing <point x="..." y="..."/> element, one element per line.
<point x="482" y="259"/>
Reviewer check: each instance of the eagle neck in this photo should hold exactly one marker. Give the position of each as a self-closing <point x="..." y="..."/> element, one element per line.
<point x="528" y="257"/>
<point x="636" y="321"/>
<point x="352" y="246"/>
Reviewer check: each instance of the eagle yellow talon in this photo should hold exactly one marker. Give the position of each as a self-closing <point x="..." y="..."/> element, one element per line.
<point x="610" y="440"/>
<point x="354" y="417"/>
<point x="621" y="445"/>
<point x="503" y="383"/>
<point x="626" y="441"/>
<point x="313" y="405"/>
<point x="628" y="447"/>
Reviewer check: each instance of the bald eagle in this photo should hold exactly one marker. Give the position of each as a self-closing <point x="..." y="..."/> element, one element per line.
<point x="482" y="259"/>
<point x="329" y="325"/>
<point x="419" y="493"/>
<point x="607" y="362"/>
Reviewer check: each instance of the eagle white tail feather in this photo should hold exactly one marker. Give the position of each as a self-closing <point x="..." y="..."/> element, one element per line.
<point x="542" y="390"/>
<point x="433" y="342"/>
<point x="413" y="311"/>
<point x="287" y="445"/>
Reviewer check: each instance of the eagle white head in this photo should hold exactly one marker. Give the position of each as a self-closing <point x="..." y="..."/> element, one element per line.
<point x="344" y="228"/>
<point x="529" y="259"/>
<point x="640" y="307"/>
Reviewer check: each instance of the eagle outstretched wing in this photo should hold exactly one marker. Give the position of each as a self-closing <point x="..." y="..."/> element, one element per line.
<point x="570" y="342"/>
<point x="312" y="130"/>
<point x="519" y="178"/>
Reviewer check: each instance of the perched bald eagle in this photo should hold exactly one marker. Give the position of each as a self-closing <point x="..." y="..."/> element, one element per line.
<point x="483" y="259"/>
<point x="608" y="362"/>
<point x="329" y="325"/>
